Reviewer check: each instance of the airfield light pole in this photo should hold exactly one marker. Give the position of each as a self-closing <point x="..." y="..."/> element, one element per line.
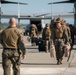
<point x="75" y="13"/>
<point x="18" y="14"/>
<point x="51" y="11"/>
<point x="0" y="11"/>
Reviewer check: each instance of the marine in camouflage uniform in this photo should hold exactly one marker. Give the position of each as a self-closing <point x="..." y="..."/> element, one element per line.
<point x="33" y="33"/>
<point x="12" y="42"/>
<point x="52" y="23"/>
<point x="72" y="30"/>
<point x="46" y="36"/>
<point x="64" y="25"/>
<point x="59" y="35"/>
<point x="67" y="28"/>
<point x="68" y="31"/>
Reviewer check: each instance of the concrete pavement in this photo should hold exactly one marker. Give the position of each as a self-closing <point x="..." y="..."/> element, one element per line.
<point x="45" y="71"/>
<point x="40" y="63"/>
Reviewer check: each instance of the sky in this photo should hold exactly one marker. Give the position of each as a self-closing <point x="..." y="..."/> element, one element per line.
<point x="36" y="7"/>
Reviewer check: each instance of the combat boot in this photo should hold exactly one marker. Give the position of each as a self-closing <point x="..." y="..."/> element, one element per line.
<point x="46" y="51"/>
<point x="61" y="61"/>
<point x="58" y="62"/>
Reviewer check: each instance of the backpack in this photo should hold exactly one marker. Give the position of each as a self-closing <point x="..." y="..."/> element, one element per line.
<point x="59" y="32"/>
<point x="47" y="33"/>
<point x="32" y="30"/>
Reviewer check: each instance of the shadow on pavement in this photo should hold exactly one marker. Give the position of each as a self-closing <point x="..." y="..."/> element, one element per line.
<point x="38" y="64"/>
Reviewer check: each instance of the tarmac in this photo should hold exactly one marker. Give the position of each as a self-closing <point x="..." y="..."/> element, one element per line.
<point x="40" y="63"/>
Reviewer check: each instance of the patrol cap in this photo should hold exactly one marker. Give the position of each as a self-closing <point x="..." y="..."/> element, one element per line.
<point x="33" y="25"/>
<point x="47" y="25"/>
<point x="53" y="21"/>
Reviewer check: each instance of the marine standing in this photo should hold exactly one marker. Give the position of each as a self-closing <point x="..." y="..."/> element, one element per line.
<point x="12" y="42"/>
<point x="60" y="38"/>
<point x="33" y="33"/>
<point x="72" y="30"/>
<point x="68" y="30"/>
<point x="46" y="36"/>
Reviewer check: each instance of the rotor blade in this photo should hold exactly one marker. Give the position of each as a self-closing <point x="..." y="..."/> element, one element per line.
<point x="42" y="15"/>
<point x="72" y="0"/>
<point x="2" y="0"/>
<point x="9" y="2"/>
<point x="61" y="2"/>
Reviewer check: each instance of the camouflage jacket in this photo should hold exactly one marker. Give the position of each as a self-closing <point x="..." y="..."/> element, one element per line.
<point x="60" y="33"/>
<point x="46" y="34"/>
<point x="12" y="38"/>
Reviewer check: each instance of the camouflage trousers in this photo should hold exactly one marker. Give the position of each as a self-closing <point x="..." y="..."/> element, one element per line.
<point x="59" y="47"/>
<point x="11" y="57"/>
<point x="33" y="39"/>
<point x="47" y="42"/>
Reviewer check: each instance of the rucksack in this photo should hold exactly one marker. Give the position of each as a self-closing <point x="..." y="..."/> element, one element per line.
<point x="47" y="33"/>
